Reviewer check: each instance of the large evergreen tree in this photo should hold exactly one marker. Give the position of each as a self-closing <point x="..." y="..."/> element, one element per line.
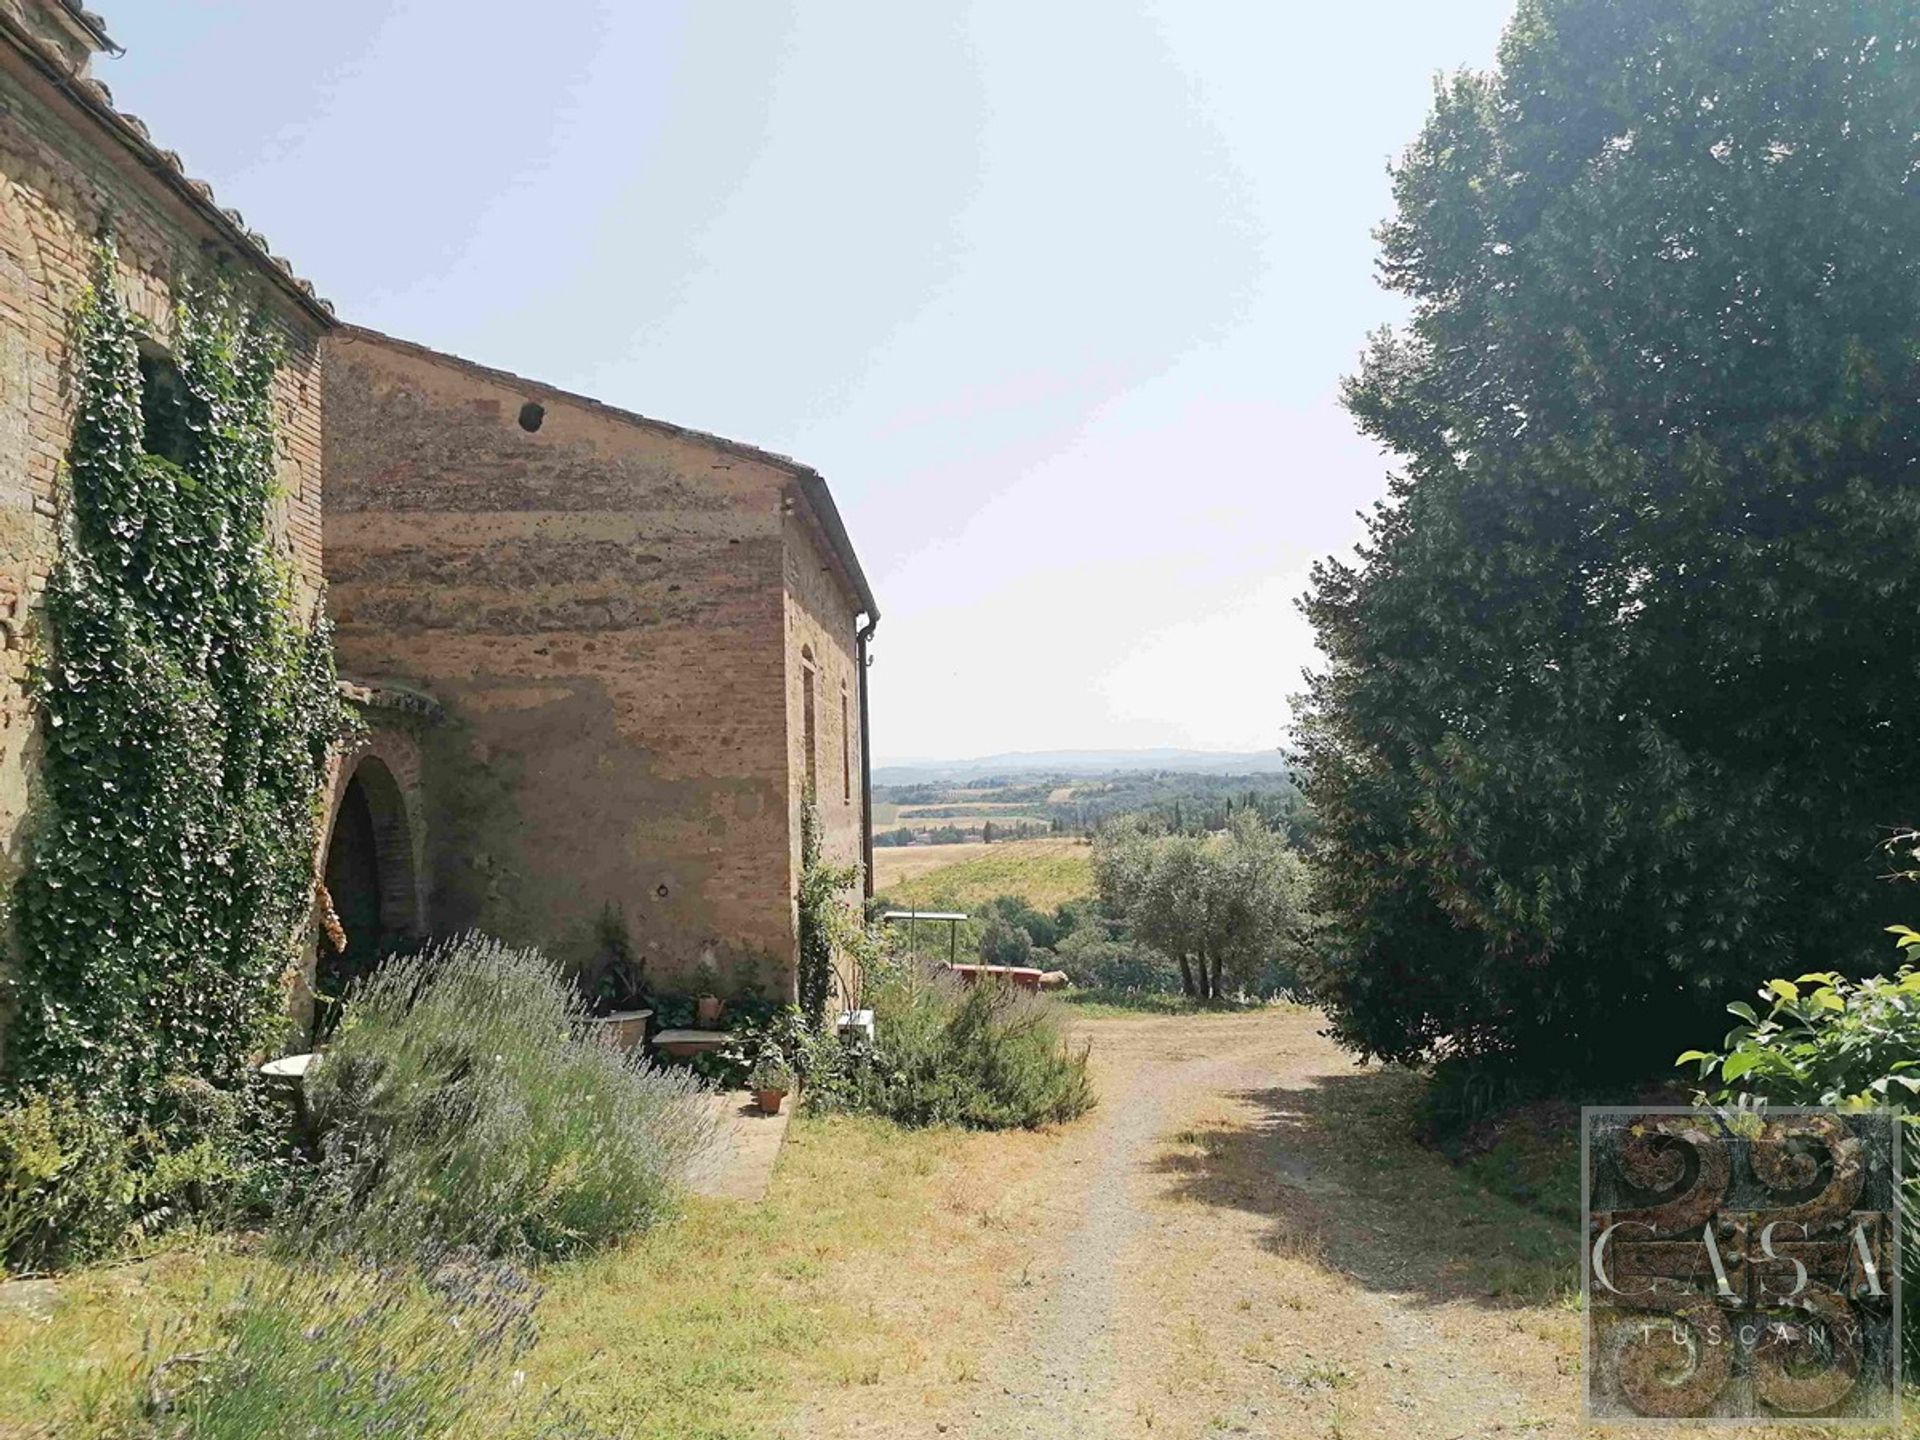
<point x="1617" y="707"/>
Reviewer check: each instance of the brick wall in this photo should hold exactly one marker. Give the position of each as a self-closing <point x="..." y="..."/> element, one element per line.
<point x="821" y="627"/>
<point x="598" y="605"/>
<point x="61" y="176"/>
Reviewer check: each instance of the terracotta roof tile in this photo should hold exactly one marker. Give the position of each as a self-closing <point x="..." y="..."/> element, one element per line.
<point x="166" y="165"/>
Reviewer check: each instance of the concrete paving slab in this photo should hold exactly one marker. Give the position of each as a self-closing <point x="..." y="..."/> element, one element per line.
<point x="740" y="1164"/>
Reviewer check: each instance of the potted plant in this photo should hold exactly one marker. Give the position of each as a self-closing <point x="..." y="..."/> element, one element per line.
<point x="708" y="1009"/>
<point x="618" y="999"/>
<point x="770" y="1082"/>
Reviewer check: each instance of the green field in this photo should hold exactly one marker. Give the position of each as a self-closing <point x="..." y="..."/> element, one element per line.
<point x="1045" y="873"/>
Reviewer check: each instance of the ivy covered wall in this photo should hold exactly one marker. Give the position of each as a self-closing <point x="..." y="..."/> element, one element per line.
<point x="189" y="707"/>
<point x="62" y="179"/>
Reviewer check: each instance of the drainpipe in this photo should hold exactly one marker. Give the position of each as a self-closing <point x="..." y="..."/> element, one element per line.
<point x="860" y="640"/>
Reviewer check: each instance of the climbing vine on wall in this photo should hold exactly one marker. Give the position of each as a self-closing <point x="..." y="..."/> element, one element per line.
<point x="188" y="713"/>
<point x="826" y="926"/>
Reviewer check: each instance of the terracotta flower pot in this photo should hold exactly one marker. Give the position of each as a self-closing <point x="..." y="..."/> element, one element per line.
<point x="769" y="1100"/>
<point x="708" y="1010"/>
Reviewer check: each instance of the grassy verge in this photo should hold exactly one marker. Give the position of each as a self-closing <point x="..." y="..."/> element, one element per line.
<point x="711" y="1327"/>
<point x="74" y="1352"/>
<point x="1530" y="1156"/>
<point x="1468" y="1221"/>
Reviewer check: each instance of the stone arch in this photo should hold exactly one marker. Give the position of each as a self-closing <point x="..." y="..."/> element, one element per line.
<point x="370" y="868"/>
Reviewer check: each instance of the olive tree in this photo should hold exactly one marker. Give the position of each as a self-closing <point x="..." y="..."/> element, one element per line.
<point x="1228" y="908"/>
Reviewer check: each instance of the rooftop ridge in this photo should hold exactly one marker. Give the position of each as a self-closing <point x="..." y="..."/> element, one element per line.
<point x="813" y="484"/>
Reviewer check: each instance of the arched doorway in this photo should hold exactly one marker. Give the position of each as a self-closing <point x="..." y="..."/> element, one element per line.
<point x="370" y="881"/>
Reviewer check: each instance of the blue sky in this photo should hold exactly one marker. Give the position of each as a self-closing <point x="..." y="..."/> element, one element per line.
<point x="1057" y="296"/>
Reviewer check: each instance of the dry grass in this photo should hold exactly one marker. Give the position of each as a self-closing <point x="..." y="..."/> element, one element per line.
<point x="874" y="1258"/>
<point x="76" y="1370"/>
<point x="1044" y="872"/>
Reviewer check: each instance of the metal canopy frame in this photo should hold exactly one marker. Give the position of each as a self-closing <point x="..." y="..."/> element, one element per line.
<point x="952" y="919"/>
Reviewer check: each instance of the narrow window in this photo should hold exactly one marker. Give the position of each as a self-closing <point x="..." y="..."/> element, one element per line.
<point x="163" y="407"/>
<point x="808" y="726"/>
<point x="846" y="751"/>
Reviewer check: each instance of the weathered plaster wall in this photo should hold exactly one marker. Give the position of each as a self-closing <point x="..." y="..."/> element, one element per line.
<point x="60" y="179"/>
<point x="821" y="627"/>
<point x="598" y="606"/>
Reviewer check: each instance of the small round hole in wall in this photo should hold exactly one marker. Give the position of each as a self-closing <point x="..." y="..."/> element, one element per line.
<point x="661" y="891"/>
<point x="532" y="415"/>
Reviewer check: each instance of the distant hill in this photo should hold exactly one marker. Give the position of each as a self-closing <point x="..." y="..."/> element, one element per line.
<point x="1027" y="763"/>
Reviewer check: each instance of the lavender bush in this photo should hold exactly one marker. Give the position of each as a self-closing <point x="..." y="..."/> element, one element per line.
<point x="465" y="1101"/>
<point x="420" y="1353"/>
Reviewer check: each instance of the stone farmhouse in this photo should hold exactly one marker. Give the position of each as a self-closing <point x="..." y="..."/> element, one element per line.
<point x="602" y="659"/>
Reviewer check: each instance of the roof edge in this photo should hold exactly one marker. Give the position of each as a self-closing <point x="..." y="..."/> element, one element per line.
<point x="813" y="484"/>
<point x="97" y="102"/>
<point x="92" y="24"/>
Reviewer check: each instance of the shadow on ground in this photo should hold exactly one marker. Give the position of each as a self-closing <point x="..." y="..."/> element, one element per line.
<point x="1332" y="1163"/>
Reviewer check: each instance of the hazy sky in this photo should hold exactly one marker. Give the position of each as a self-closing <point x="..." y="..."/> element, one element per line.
<point x="1056" y="295"/>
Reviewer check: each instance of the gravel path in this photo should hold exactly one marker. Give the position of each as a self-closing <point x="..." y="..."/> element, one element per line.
<point x="1201" y="1280"/>
<point x="1234" y="1243"/>
<point x="1081" y="1353"/>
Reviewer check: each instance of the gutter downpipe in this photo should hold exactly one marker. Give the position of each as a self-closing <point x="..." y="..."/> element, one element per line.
<point x="860" y="639"/>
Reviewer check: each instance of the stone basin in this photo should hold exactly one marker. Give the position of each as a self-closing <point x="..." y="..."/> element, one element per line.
<point x="626" y="1028"/>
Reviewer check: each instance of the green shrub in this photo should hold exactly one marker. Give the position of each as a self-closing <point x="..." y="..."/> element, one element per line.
<point x="783" y="1037"/>
<point x="76" y="1184"/>
<point x="1043" y="930"/>
<point x="1827" y="1040"/>
<point x="1824" y="1040"/>
<point x="69" y="1190"/>
<point x="465" y="1101"/>
<point x="771" y="1075"/>
<point x="1002" y="942"/>
<point x="364" y="1353"/>
<point x="1125" y="967"/>
<point x="988" y="1056"/>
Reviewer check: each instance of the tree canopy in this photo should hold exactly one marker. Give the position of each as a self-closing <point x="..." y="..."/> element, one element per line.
<point x="1228" y="908"/>
<point x="1612" y="716"/>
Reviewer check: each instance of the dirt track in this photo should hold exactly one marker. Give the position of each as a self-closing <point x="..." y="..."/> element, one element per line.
<point x="1213" y="1252"/>
<point x="1243" y="1240"/>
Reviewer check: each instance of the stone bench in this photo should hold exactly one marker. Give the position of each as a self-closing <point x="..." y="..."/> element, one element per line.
<point x="685" y="1044"/>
